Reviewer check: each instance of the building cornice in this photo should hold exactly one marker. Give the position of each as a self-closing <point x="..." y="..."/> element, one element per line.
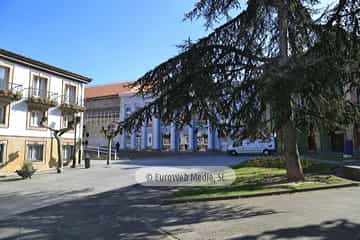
<point x="14" y="57"/>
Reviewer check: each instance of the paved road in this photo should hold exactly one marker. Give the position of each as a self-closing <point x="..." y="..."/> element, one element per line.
<point x="50" y="188"/>
<point x="103" y="203"/>
<point x="49" y="192"/>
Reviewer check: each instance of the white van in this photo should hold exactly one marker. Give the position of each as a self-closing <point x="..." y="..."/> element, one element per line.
<point x="264" y="146"/>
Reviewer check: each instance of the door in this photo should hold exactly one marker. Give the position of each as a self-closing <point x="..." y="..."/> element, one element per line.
<point x="337" y="142"/>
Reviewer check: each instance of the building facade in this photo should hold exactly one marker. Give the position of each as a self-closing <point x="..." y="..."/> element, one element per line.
<point x="102" y="108"/>
<point x="29" y="91"/>
<point x="111" y="103"/>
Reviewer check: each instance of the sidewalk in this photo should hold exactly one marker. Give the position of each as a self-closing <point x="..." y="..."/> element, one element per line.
<point x="335" y="158"/>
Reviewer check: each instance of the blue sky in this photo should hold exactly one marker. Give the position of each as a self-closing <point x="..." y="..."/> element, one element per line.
<point x="108" y="40"/>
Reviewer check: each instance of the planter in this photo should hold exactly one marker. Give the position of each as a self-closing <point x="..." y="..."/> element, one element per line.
<point x="43" y="100"/>
<point x="69" y="107"/>
<point x="41" y="103"/>
<point x="8" y="96"/>
<point x="25" y="173"/>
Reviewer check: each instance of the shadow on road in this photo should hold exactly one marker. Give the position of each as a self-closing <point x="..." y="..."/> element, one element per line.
<point x="329" y="230"/>
<point x="128" y="213"/>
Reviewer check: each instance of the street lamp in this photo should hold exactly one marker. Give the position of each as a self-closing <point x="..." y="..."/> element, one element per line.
<point x="77" y="120"/>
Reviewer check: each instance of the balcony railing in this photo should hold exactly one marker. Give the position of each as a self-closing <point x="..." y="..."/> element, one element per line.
<point x="10" y="92"/>
<point x="40" y="98"/>
<point x="72" y="104"/>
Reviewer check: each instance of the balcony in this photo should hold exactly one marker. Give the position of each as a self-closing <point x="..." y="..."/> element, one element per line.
<point x="72" y="104"/>
<point x="10" y="92"/>
<point x="40" y="99"/>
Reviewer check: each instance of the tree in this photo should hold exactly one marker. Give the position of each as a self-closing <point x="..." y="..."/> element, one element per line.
<point x="57" y="134"/>
<point x="110" y="132"/>
<point x="273" y="55"/>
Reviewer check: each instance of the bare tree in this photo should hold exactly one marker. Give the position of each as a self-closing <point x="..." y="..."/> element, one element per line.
<point x="110" y="132"/>
<point x="57" y="134"/>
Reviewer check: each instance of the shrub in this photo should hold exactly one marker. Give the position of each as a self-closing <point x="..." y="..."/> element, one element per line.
<point x="43" y="100"/>
<point x="27" y="170"/>
<point x="8" y="93"/>
<point x="73" y="106"/>
<point x="27" y="166"/>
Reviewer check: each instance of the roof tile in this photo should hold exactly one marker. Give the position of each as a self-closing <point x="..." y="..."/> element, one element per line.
<point x="108" y="90"/>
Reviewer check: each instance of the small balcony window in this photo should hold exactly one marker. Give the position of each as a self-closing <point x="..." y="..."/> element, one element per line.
<point x="68" y="119"/>
<point x="70" y="94"/>
<point x="35" y="118"/>
<point x="4" y="77"/>
<point x="39" y="86"/>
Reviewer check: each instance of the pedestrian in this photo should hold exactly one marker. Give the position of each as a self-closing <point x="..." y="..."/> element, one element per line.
<point x="117" y="145"/>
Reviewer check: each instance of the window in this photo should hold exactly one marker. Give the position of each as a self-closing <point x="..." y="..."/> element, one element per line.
<point x="127" y="112"/>
<point x="4" y="77"/>
<point x="70" y="94"/>
<point x="67" y="152"/>
<point x="149" y="140"/>
<point x="35" y="118"/>
<point x="39" y="86"/>
<point x="2" y="113"/>
<point x="2" y="153"/>
<point x="68" y="120"/>
<point x="35" y="152"/>
<point x="237" y="144"/>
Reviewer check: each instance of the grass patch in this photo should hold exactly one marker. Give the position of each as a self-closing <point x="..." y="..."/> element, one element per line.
<point x="267" y="175"/>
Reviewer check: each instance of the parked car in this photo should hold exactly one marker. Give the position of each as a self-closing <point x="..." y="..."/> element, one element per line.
<point x="264" y="146"/>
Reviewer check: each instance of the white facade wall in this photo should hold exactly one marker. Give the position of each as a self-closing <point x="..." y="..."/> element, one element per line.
<point x="18" y="110"/>
<point x="132" y="102"/>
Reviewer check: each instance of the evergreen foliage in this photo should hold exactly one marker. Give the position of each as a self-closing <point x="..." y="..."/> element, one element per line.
<point x="275" y="55"/>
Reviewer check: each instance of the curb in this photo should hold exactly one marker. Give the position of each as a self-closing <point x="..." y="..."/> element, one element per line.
<point x="187" y="200"/>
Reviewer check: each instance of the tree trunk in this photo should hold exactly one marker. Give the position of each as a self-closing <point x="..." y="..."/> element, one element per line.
<point x="109" y="151"/>
<point x="292" y="157"/>
<point x="60" y="162"/>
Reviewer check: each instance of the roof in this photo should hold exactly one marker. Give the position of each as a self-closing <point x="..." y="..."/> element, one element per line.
<point x="14" y="57"/>
<point x="105" y="90"/>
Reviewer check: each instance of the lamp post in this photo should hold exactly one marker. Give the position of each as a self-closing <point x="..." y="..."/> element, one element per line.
<point x="84" y="142"/>
<point x="77" y="120"/>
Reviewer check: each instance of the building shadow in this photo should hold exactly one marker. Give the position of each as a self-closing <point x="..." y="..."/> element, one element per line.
<point x="328" y="230"/>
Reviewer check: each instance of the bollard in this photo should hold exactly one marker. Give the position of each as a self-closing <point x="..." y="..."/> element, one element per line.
<point x="87" y="162"/>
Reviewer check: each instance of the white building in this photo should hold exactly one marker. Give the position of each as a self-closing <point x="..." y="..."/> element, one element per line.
<point x="29" y="91"/>
<point x="113" y="102"/>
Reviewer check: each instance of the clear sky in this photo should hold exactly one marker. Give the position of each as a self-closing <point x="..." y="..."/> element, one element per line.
<point x="107" y="40"/>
